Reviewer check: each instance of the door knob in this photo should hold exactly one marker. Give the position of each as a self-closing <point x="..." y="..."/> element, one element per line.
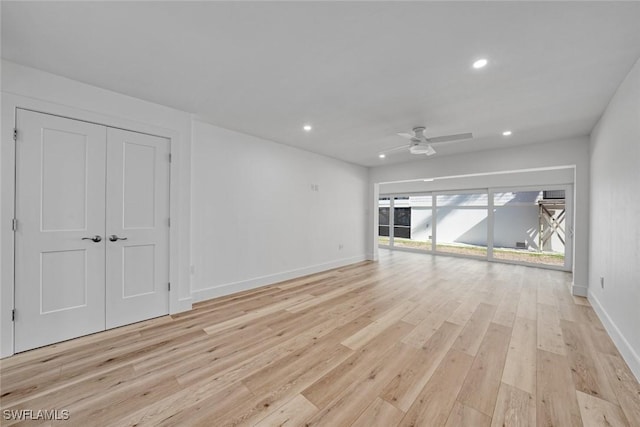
<point x="115" y="238"/>
<point x="95" y="238"/>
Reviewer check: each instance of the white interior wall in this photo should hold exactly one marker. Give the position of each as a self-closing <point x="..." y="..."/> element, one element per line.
<point x="264" y="212"/>
<point x="545" y="163"/>
<point x="614" y="247"/>
<point x="33" y="89"/>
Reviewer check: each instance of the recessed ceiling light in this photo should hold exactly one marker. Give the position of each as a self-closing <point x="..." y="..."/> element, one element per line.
<point x="382" y="155"/>
<point x="307" y="128"/>
<point x="480" y="63"/>
<point x="506" y="133"/>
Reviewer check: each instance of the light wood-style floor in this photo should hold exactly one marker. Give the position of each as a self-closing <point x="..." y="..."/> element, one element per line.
<point x="410" y="340"/>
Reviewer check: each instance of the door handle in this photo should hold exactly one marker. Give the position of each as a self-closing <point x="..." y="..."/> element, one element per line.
<point x="95" y="238"/>
<point x="115" y="238"/>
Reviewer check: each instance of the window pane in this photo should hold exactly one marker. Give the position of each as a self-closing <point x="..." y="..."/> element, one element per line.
<point x="402" y="216"/>
<point x="383" y="220"/>
<point x="471" y="199"/>
<point x="462" y="231"/>
<point x="513" y="198"/>
<point x="383" y="216"/>
<point x="412" y="219"/>
<point x="529" y="227"/>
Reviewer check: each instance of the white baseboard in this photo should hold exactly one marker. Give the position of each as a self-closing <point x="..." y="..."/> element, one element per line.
<point x="628" y="353"/>
<point x="244" y="285"/>
<point x="578" y="290"/>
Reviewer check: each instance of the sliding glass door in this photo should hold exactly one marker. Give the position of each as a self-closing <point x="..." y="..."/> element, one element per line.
<point x="412" y="222"/>
<point x="461" y="223"/>
<point x="533" y="226"/>
<point x="530" y="226"/>
<point x="405" y="222"/>
<point x="384" y="224"/>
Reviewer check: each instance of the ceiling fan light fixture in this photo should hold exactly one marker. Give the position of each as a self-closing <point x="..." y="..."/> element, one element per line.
<point x="422" y="149"/>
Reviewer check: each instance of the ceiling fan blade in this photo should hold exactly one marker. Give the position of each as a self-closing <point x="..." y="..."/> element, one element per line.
<point x="449" y="138"/>
<point x="391" y="150"/>
<point x="430" y="151"/>
<point x="406" y="135"/>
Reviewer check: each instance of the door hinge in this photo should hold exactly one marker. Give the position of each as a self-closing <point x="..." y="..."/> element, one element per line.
<point x="14" y="224"/>
<point x="13" y="315"/>
<point x="169" y="222"/>
<point x="15" y="134"/>
<point x="169" y="286"/>
<point x="169" y="157"/>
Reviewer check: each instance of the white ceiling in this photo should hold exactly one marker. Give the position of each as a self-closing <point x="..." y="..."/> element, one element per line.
<point x="357" y="71"/>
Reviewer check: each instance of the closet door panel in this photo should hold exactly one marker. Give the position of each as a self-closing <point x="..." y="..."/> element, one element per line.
<point x="59" y="242"/>
<point x="137" y="227"/>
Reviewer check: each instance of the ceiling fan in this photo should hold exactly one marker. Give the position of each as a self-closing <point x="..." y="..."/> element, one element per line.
<point x="420" y="144"/>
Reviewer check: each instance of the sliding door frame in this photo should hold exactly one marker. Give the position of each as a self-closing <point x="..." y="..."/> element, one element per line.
<point x="568" y="245"/>
<point x="490" y="192"/>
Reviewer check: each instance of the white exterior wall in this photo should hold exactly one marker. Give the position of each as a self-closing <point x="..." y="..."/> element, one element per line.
<point x="516" y="224"/>
<point x="421" y="224"/>
<point x="467" y="226"/>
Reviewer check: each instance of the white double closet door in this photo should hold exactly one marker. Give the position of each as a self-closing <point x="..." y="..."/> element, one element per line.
<point x="92" y="242"/>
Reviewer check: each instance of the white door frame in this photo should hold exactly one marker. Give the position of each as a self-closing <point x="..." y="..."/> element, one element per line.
<point x="10" y="104"/>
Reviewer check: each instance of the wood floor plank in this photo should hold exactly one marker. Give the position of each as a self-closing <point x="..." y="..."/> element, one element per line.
<point x="293" y="413"/>
<point x="465" y="310"/>
<point x="624" y="385"/>
<point x="76" y="393"/>
<point x="199" y="397"/>
<point x="433" y="341"/>
<point x="326" y="350"/>
<point x="520" y="364"/>
<point x="588" y="375"/>
<point x="403" y="389"/>
<point x="528" y="303"/>
<point x="513" y="407"/>
<point x="438" y="294"/>
<point x="481" y="384"/>
<point x="601" y="341"/>
<point x="430" y="324"/>
<point x="546" y="294"/>
<point x="471" y="336"/>
<point x="434" y="403"/>
<point x="464" y="416"/>
<point x="326" y="388"/>
<point x="598" y="412"/>
<point x="557" y="404"/>
<point x="549" y="332"/>
<point x="506" y="311"/>
<point x="257" y="313"/>
<point x="350" y="403"/>
<point x="379" y="413"/>
<point x="372" y="330"/>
